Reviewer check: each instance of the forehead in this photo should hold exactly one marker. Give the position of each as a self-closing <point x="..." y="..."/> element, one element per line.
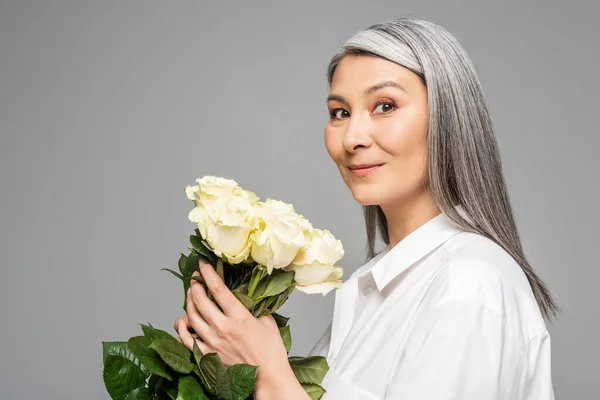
<point x="359" y="72"/>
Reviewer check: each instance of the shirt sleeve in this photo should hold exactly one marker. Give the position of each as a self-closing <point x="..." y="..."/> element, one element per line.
<point x="461" y="349"/>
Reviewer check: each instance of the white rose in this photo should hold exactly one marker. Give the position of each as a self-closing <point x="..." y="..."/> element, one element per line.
<point x="280" y="234"/>
<point x="211" y="188"/>
<point x="314" y="265"/>
<point x="226" y="226"/>
<point x="225" y="216"/>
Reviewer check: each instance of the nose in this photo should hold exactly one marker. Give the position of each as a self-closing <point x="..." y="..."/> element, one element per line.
<point x="357" y="133"/>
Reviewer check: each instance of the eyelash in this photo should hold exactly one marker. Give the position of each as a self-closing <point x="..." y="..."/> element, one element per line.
<point x="333" y="112"/>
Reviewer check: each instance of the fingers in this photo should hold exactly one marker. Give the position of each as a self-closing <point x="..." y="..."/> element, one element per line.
<point x="181" y="320"/>
<point x="230" y="305"/>
<point x="187" y="339"/>
<point x="194" y="318"/>
<point x="182" y="326"/>
<point x="203" y="306"/>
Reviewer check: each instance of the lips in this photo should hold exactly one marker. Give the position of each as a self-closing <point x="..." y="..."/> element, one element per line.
<point x="364" y="166"/>
<point x="364" y="169"/>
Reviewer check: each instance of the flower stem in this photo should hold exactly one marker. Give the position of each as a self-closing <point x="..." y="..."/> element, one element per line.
<point x="256" y="275"/>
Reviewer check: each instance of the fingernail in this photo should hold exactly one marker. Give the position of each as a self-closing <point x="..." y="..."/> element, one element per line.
<point x="189" y="291"/>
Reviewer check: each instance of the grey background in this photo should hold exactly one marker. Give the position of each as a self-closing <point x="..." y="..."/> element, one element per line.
<point x="108" y="109"/>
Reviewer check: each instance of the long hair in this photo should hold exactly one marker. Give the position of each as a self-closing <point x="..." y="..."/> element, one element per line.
<point x="464" y="166"/>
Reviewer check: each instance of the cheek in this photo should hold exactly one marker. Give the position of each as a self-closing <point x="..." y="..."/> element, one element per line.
<point x="406" y="142"/>
<point x="335" y="148"/>
<point x="402" y="139"/>
<point x="333" y="145"/>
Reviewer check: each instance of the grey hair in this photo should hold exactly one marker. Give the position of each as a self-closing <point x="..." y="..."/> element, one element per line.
<point x="464" y="166"/>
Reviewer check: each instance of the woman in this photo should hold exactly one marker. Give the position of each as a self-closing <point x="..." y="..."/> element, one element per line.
<point x="450" y="309"/>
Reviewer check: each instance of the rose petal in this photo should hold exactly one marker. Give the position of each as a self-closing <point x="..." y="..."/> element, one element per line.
<point x="313" y="274"/>
<point x="322" y="288"/>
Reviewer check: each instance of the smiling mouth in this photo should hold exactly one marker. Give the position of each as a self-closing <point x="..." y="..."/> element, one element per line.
<point x="364" y="170"/>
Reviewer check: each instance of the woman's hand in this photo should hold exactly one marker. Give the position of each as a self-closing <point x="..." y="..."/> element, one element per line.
<point x="235" y="334"/>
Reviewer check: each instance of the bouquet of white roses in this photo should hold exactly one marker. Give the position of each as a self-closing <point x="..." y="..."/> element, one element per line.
<point x="262" y="251"/>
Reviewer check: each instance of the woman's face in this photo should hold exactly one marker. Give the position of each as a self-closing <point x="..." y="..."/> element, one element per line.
<point x="378" y="118"/>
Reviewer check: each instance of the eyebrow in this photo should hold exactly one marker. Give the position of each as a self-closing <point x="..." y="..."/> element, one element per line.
<point x="369" y="90"/>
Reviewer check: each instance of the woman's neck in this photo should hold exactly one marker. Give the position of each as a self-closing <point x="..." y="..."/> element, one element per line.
<point x="405" y="217"/>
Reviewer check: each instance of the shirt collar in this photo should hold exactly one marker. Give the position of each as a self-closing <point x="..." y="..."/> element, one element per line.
<point x="412" y="248"/>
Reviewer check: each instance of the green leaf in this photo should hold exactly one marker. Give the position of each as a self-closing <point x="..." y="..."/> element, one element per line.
<point x="206" y="385"/>
<point x="286" y="336"/>
<point x="140" y="347"/>
<point x="142" y="393"/>
<point x="182" y="263"/>
<point x="242" y="378"/>
<point x="154" y="333"/>
<point x="259" y="308"/>
<point x="190" y="389"/>
<point x="196" y="371"/>
<point x="121" y="377"/>
<point x="192" y="264"/>
<point x="197" y="354"/>
<point x="174" y="354"/>
<point x="223" y="384"/>
<point x="313" y="390"/>
<point x="273" y="285"/>
<point x="198" y="245"/>
<point x="280" y="319"/>
<point x="270" y="303"/>
<point x="282" y="298"/>
<point x="210" y="369"/>
<point x="241" y="287"/>
<point x="173" y="272"/>
<point x="206" y="380"/>
<point x="309" y="369"/>
<point x="121" y="349"/>
<point x="246" y="300"/>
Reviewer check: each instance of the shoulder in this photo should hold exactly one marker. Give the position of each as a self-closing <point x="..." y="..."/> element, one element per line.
<point x="481" y="270"/>
<point x="475" y="261"/>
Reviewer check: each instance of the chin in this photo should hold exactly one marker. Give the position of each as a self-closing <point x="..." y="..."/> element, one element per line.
<point x="366" y="197"/>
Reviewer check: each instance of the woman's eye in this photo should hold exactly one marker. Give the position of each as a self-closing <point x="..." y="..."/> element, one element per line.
<point x="385" y="107"/>
<point x="338" y="113"/>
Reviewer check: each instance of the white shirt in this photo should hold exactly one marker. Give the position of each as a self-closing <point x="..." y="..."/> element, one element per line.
<point x="445" y="314"/>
